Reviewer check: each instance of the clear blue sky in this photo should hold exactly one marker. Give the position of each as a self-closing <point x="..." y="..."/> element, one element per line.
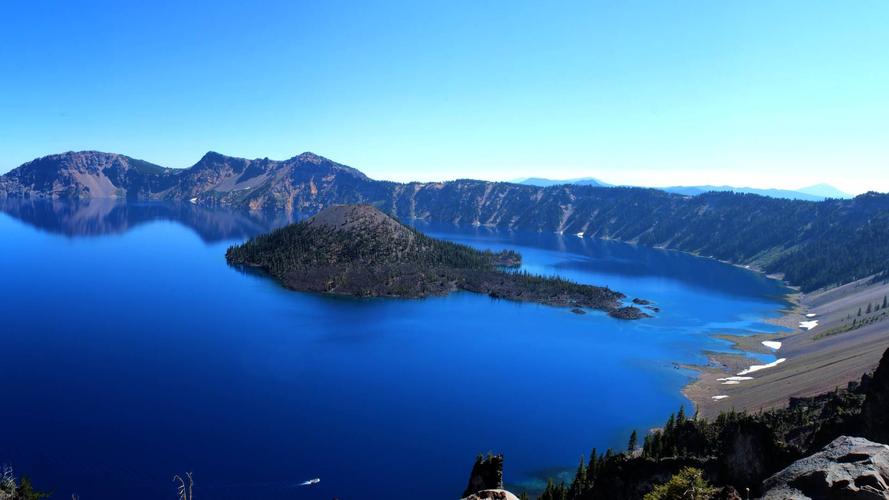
<point x="762" y="93"/>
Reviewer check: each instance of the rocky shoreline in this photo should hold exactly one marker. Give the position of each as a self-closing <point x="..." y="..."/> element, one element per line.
<point x="817" y="352"/>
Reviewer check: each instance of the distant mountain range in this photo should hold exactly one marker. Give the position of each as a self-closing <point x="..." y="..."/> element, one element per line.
<point x="818" y="192"/>
<point x="580" y="181"/>
<point x="813" y="244"/>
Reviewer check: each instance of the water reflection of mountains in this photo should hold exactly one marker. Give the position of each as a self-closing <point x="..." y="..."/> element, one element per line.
<point x="97" y="217"/>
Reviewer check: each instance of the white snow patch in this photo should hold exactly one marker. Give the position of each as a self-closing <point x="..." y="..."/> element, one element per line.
<point x="717" y="398"/>
<point x="772" y="344"/>
<point x="756" y="368"/>
<point x="808" y="325"/>
<point x="811" y="315"/>
<point x="731" y="382"/>
<point x="735" y="379"/>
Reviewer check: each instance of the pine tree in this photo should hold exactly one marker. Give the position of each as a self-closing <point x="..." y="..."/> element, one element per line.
<point x="26" y="491"/>
<point x="859" y="311"/>
<point x="580" y="480"/>
<point x="868" y="309"/>
<point x="592" y="467"/>
<point x="680" y="417"/>
<point x="631" y="446"/>
<point x="549" y="492"/>
<point x="885" y="303"/>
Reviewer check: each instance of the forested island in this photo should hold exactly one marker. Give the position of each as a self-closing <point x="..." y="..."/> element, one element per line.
<point x="358" y="250"/>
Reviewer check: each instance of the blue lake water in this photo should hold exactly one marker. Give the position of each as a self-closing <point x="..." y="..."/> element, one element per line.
<point x="131" y="351"/>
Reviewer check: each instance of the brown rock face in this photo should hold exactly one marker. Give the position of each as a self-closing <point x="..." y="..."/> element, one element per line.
<point x="849" y="467"/>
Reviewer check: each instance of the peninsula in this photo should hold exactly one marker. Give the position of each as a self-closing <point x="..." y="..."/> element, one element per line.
<point x="358" y="250"/>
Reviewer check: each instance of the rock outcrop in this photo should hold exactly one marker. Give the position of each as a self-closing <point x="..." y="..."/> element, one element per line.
<point x="875" y="411"/>
<point x="849" y="467"/>
<point x="750" y="452"/>
<point x="492" y="495"/>
<point x="487" y="474"/>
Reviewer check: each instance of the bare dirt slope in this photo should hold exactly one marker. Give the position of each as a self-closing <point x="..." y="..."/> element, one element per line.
<point x="830" y="355"/>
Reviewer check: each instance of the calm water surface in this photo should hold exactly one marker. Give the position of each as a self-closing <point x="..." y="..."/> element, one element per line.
<point x="131" y="351"/>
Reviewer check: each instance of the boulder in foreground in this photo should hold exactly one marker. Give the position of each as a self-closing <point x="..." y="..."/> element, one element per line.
<point x="848" y="467"/>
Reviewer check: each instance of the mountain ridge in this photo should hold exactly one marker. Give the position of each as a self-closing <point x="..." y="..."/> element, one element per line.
<point x="811" y="244"/>
<point x="817" y="192"/>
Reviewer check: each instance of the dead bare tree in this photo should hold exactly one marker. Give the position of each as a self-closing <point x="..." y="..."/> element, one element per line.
<point x="185" y="486"/>
<point x="7" y="483"/>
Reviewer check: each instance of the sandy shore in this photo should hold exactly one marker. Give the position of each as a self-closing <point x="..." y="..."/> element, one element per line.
<point x="830" y="354"/>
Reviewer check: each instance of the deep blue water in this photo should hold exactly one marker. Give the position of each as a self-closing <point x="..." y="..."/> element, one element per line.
<point x="130" y="351"/>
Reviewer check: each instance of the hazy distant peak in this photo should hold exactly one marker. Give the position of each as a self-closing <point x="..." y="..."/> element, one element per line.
<point x="544" y="182"/>
<point x="824" y="191"/>
<point x="789" y="194"/>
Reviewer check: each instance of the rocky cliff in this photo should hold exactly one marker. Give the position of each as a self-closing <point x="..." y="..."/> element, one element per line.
<point x="87" y="174"/>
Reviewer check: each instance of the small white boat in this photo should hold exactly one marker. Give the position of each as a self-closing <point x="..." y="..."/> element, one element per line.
<point x="310" y="482"/>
